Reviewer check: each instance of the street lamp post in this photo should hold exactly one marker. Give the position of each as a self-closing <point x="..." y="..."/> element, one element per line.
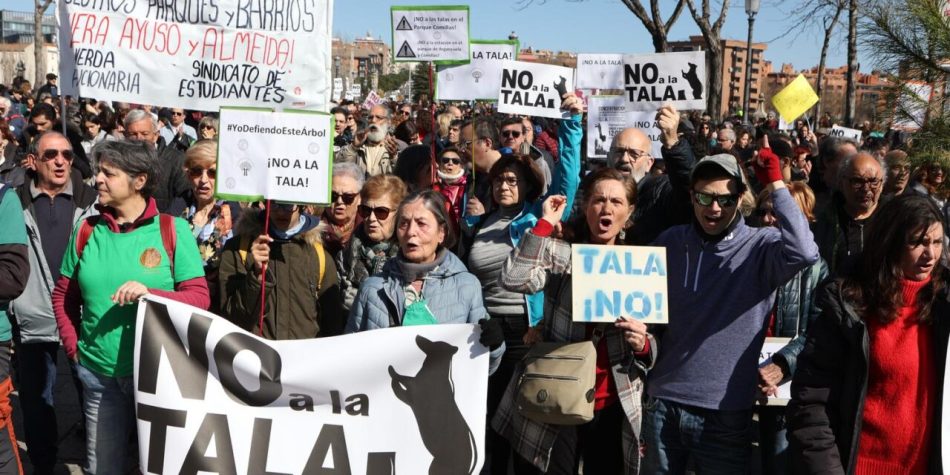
<point x="751" y="8"/>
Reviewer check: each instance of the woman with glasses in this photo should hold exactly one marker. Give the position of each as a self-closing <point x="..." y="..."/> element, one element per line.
<point x="373" y="243"/>
<point x="516" y="185"/>
<point x="210" y="220"/>
<point x="208" y="128"/>
<point x="453" y="177"/>
<point x="340" y="217"/>
<point x="302" y="294"/>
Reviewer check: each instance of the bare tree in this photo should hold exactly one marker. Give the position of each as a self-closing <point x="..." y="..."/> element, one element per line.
<point x="653" y="21"/>
<point x="852" y="77"/>
<point x="39" y="43"/>
<point x="711" y="35"/>
<point x="828" y="24"/>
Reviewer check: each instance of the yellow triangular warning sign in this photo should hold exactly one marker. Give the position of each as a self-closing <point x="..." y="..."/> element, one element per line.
<point x="403" y="25"/>
<point x="405" y="51"/>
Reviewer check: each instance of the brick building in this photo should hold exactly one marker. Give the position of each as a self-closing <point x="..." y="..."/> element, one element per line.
<point x="733" y="71"/>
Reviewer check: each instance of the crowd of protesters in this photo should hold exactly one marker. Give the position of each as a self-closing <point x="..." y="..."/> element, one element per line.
<point x="453" y="213"/>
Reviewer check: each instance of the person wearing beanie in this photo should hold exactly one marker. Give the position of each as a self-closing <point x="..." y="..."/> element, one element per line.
<point x="866" y="393"/>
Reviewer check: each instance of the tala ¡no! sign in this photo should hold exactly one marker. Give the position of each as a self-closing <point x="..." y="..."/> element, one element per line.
<point x="651" y="80"/>
<point x="609" y="282"/>
<point x="534" y="89"/>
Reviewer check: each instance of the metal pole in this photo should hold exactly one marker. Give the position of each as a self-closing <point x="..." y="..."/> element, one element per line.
<point x="748" y="72"/>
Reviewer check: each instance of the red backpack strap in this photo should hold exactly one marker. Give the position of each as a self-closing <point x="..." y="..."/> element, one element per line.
<point x="85" y="232"/>
<point x="166" y="223"/>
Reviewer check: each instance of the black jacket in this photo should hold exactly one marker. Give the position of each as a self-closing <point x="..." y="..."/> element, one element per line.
<point x="830" y="385"/>
<point x="663" y="201"/>
<point x="173" y="186"/>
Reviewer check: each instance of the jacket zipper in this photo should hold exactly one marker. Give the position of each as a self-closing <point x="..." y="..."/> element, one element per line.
<point x="550" y="376"/>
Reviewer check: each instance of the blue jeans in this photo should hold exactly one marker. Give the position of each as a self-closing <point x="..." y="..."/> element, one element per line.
<point x="719" y="442"/>
<point x="773" y="439"/>
<point x="109" y="405"/>
<point x="36" y="379"/>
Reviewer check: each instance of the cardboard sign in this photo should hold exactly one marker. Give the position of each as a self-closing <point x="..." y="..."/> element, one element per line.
<point x="430" y="33"/>
<point x="480" y="79"/>
<point x="608" y="116"/>
<point x="651" y="80"/>
<point x="770" y="347"/>
<point x="283" y="156"/>
<point x="534" y="89"/>
<point x="844" y="132"/>
<point x="213" y="398"/>
<point x="600" y="71"/>
<point x="912" y="106"/>
<point x="199" y="55"/>
<point x="609" y="282"/>
<point x="372" y="99"/>
<point x="795" y="99"/>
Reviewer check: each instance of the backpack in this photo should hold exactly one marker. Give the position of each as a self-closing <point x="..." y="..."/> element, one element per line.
<point x="166" y="223"/>
<point x="321" y="265"/>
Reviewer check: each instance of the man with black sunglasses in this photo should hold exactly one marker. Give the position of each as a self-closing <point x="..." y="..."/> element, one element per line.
<point x="53" y="199"/>
<point x="723" y="277"/>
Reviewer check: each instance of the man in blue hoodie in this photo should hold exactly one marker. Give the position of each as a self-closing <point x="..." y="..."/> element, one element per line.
<point x="723" y="277"/>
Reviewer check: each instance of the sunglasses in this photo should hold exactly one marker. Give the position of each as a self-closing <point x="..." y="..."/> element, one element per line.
<point x="510" y="134"/>
<point x="347" y="198"/>
<point x="452" y="160"/>
<point x="177" y="113"/>
<point x="706" y="199"/>
<point x="52" y="153"/>
<point x="381" y="212"/>
<point x="196" y="172"/>
<point x="207" y="127"/>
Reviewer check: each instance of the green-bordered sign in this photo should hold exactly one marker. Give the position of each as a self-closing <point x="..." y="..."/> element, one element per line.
<point x="283" y="156"/>
<point x="480" y="79"/>
<point x="430" y="33"/>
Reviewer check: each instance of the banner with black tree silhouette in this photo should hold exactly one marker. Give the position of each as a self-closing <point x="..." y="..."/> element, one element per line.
<point x="211" y="397"/>
<point x="651" y="80"/>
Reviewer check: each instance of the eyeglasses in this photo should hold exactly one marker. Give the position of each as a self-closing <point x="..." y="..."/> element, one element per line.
<point x="452" y="160"/>
<point x="207" y="127"/>
<point x="859" y="184"/>
<point x="635" y="154"/>
<point x="405" y="112"/>
<point x="347" y="198"/>
<point x="52" y="153"/>
<point x="381" y="212"/>
<point x="706" y="199"/>
<point x="511" y="134"/>
<point x="177" y="113"/>
<point x="763" y="212"/>
<point x="511" y="181"/>
<point x="196" y="172"/>
<point x="466" y="144"/>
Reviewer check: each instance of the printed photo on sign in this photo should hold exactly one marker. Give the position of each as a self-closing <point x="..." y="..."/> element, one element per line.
<point x="283" y="156"/>
<point x="600" y="71"/>
<point x="769" y="348"/>
<point x="608" y="116"/>
<point x="430" y="33"/>
<point x="480" y="79"/>
<point x="534" y="89"/>
<point x="609" y="282"/>
<point x="651" y="80"/>
<point x="145" y="52"/>
<point x="844" y="132"/>
<point x="212" y="398"/>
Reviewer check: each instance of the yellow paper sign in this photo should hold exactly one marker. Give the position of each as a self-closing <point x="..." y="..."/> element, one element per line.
<point x="795" y="99"/>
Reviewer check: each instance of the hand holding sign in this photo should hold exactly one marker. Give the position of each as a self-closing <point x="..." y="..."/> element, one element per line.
<point x="553" y="209"/>
<point x="769" y="377"/>
<point x="260" y="251"/>
<point x="474" y="207"/>
<point x="634" y="332"/>
<point x="668" y="118"/>
<point x="573" y="104"/>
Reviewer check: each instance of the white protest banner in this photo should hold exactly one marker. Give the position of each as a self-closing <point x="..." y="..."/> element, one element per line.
<point x="284" y="156"/>
<point x="372" y="99"/>
<point x="844" y="132"/>
<point x="650" y="80"/>
<point x="213" y="398"/>
<point x="203" y="55"/>
<point x="430" y="33"/>
<point x="534" y="89"/>
<point x="912" y="106"/>
<point x="600" y="71"/>
<point x="608" y="116"/>
<point x="337" y="88"/>
<point x="480" y="79"/>
<point x="609" y="282"/>
<point x="769" y="348"/>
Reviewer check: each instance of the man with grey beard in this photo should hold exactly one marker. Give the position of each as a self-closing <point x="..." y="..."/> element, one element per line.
<point x="662" y="200"/>
<point x="373" y="149"/>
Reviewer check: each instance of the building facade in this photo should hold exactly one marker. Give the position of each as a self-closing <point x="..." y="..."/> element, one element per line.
<point x="733" y="72"/>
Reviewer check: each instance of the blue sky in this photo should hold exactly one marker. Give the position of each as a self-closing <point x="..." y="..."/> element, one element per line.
<point x="587" y="26"/>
